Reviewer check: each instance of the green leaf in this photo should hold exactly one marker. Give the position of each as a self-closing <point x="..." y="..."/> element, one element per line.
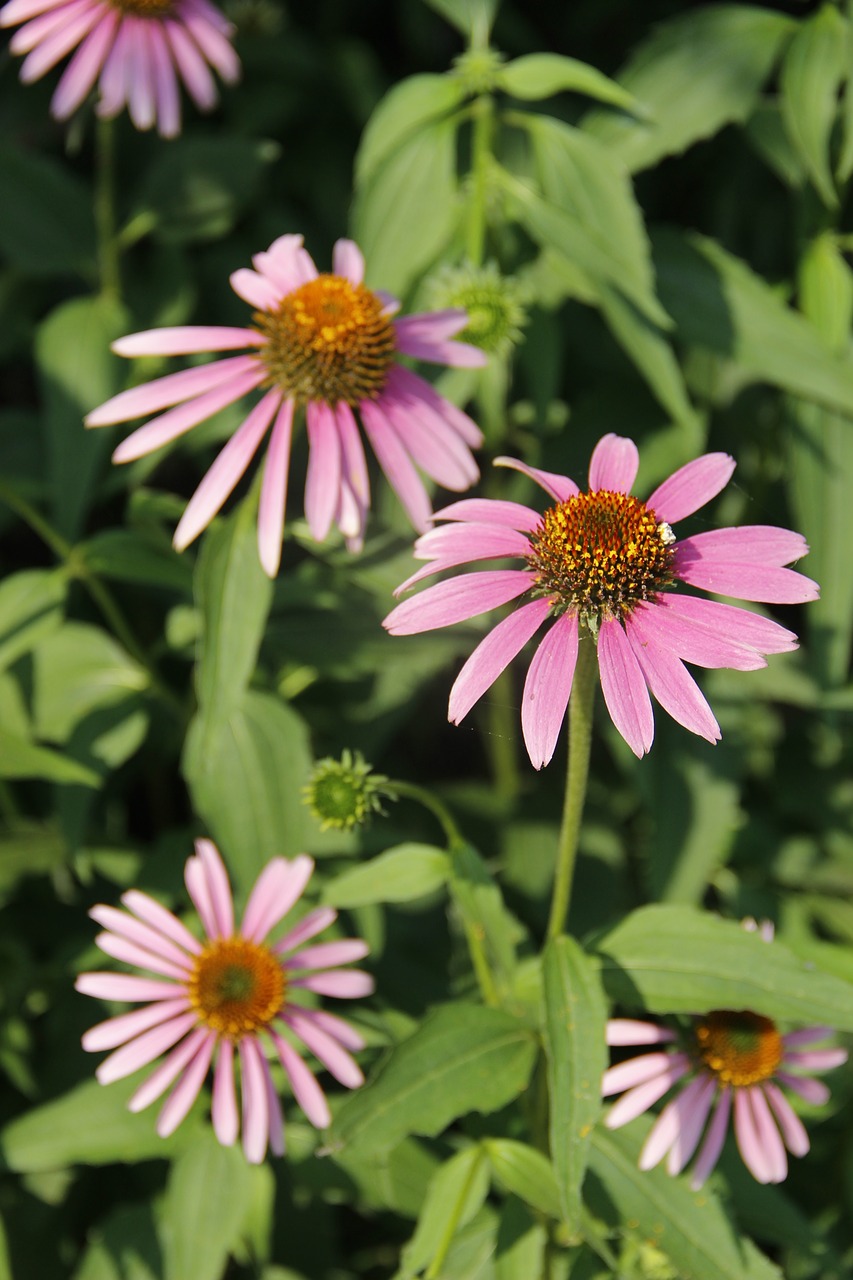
<point x="406" y="108"/>
<point x="31" y="607"/>
<point x="521" y="1243"/>
<point x="202" y="1215"/>
<point x="234" y="595"/>
<point x="457" y="1191"/>
<point x="48" y="228"/>
<point x="404" y="216"/>
<point x="483" y="911"/>
<point x="77" y="371"/>
<point x="402" y="874"/>
<point x="462" y="1058"/>
<point x="811" y="73"/>
<point x="719" y="303"/>
<point x="245" y="775"/>
<point x="670" y="959"/>
<point x="471" y="17"/>
<point x="395" y="1179"/>
<point x="525" y="1172"/>
<point x="88" y="1125"/>
<point x="690" y="1227"/>
<point x="766" y="132"/>
<point x="541" y="75"/>
<point x="651" y="353"/>
<point x="197" y="187"/>
<point x="124" y="1247"/>
<point x="20" y="758"/>
<point x="126" y="555"/>
<point x="75" y="671"/>
<point x="574" y="1020"/>
<point x="694" y="74"/>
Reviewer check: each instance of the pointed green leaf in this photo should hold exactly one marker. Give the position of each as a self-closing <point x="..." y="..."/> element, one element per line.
<point x="406" y="108"/>
<point x="31" y="605"/>
<point x="463" y="1058"/>
<point x="812" y="71"/>
<point x="671" y="959"/>
<point x="22" y="759"/>
<point x="468" y="16"/>
<point x="457" y="1191"/>
<point x="77" y="670"/>
<point x="202" y="1215"/>
<point x="574" y="1020"/>
<point x="521" y="1243"/>
<point x="541" y="75"/>
<point x="481" y="905"/>
<point x="526" y="1173"/>
<point x="403" y="874"/>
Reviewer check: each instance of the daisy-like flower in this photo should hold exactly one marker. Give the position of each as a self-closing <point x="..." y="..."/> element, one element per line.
<point x="328" y="344"/>
<point x="138" y="51"/>
<point x="605" y="565"/>
<point x="221" y="999"/>
<point x="733" y="1061"/>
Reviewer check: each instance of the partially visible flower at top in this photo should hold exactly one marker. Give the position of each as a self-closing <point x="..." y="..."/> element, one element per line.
<point x="137" y="51"/>
<point x="343" y="794"/>
<point x="493" y="303"/>
<point x="328" y="345"/>
<point x="603" y="566"/>
<point x="732" y="1060"/>
<point x="232" y="992"/>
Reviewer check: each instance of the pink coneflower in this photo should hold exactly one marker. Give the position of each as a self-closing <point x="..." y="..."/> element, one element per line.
<point x="329" y="345"/>
<point x="223" y="998"/>
<point x="730" y="1057"/>
<point x="137" y="51"/>
<point x="605" y="565"/>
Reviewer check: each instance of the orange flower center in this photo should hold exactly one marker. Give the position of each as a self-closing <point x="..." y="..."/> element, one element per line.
<point x="145" y="8"/>
<point x="600" y="554"/>
<point x="328" y="340"/>
<point x="237" y="987"/>
<point x="739" y="1048"/>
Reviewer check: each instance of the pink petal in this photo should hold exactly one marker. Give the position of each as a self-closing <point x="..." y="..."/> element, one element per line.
<point x="712" y="630"/>
<point x="750" y="544"/>
<point x="326" y="1049"/>
<point x="457" y="600"/>
<point x="116" y="1031"/>
<point x="123" y="924"/>
<point x="816" y="1059"/>
<point x="227" y="470"/>
<point x="348" y="261"/>
<point x="750" y="1140"/>
<point x="142" y="102"/>
<point x="492" y="655"/>
<point x="694" y="642"/>
<point x="226" y="1122"/>
<point x="131" y="953"/>
<point x="186" y="1091"/>
<point x="460" y="355"/>
<point x="159" y="1080"/>
<point x="432" y="326"/>
<point x="280" y="263"/>
<point x="397" y="465"/>
<point x="83" y="69"/>
<point x="327" y="954"/>
<point x="257" y="290"/>
<point x="20" y="10"/>
<point x="547" y="689"/>
<point x="675" y="690"/>
<point x="145" y="1048"/>
<point x="625" y="1075"/>
<point x="813" y="1091"/>
<point x="334" y="1026"/>
<point x="714" y="1139"/>
<point x="26" y="38"/>
<point x="196" y="881"/>
<point x="624" y="688"/>
<point x="352" y="455"/>
<point x="276" y="1118"/>
<point x="614" y="464"/>
<point x="404" y="380"/>
<point x="512" y="515"/>
<point x="693" y="1113"/>
<point x="323" y="481"/>
<point x="124" y="986"/>
<point x="165" y="84"/>
<point x="769" y="1136"/>
<point x="806" y="1035"/>
<point x="218" y="885"/>
<point x="743" y="581"/>
<point x="279" y="886"/>
<point x="629" y="1031"/>
<point x="691" y="486"/>
<point x="113" y="85"/>
<point x="176" y="422"/>
<point x="792" y="1127"/>
<point x="193" y="69"/>
<point x="174" y="388"/>
<point x="346" y="984"/>
<point x="637" y="1100"/>
<point x="215" y="47"/>
<point x="306" y="1090"/>
<point x="457" y="544"/>
<point x="187" y="340"/>
<point x="559" y="487"/>
<point x="274" y="491"/>
<point x="315" y="922"/>
<point x="54" y="47"/>
<point x="255" y="1101"/>
<point x="435" y="447"/>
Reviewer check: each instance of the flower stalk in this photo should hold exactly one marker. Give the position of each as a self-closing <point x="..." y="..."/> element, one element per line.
<point x="580" y="743"/>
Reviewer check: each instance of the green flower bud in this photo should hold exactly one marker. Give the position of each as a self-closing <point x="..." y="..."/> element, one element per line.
<point x="496" y="314"/>
<point x="343" y="794"/>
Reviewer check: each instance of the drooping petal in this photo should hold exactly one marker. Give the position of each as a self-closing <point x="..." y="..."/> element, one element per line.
<point x="433" y="445"/>
<point x="769" y="1136"/>
<point x="279" y="886"/>
<point x="276" y="1117"/>
<point x="226" y="1121"/>
<point x="397" y="465"/>
<point x="457" y="600"/>
<point x="158" y="1082"/>
<point x="274" y="491"/>
<point x="675" y="690"/>
<point x="637" y="1100"/>
<point x="256" y="1116"/>
<point x="327" y="954"/>
<point x="124" y="924"/>
<point x="750" y="1140"/>
<point x="116" y="1031"/>
<point x="185" y="1092"/>
<point x="124" y="986"/>
<point x="630" y="1031"/>
<point x="814" y="1091"/>
<point x="144" y="1048"/>
<point x="559" y="487"/>
<point x="323" y="481"/>
<point x="692" y="640"/>
<point x="691" y="486"/>
<point x="793" y="1130"/>
<point x="624" y="688"/>
<point x="215" y="46"/>
<point x="401" y="379"/>
<point x="715" y="1136"/>
<point x="83" y="69"/>
<point x="723" y="623"/>
<point x="315" y="922"/>
<point x="192" y="67"/>
<point x="667" y="1130"/>
<point x="346" y="984"/>
<point x="165" y="84"/>
<point x="745" y="581"/>
<point x="547" y="689"/>
<point x="334" y="1026"/>
<point x="187" y="340"/>
<point x="626" y="1075"/>
<point x="614" y="464"/>
<point x="176" y="422"/>
<point x="131" y="953"/>
<point x="142" y="103"/>
<point x="511" y="515"/>
<point x="325" y="1049"/>
<point x="492" y="655"/>
<point x="51" y="50"/>
<point x="693" y="1109"/>
<point x="174" y="388"/>
<point x="306" y="1090"/>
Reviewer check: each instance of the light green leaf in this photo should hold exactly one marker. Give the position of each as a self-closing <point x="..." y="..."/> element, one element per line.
<point x="406" y="108"/>
<point x="124" y="1247"/>
<point x="88" y="1125"/>
<point x="471" y="17"/>
<point x="525" y="1172"/>
<point x="202" y="1215"/>
<point x="77" y="670"/>
<point x="463" y="1058"/>
<point x="574" y="1020"/>
<point x="483" y="911"/>
<point x="48" y="228"/>
<point x="521" y="1243"/>
<point x="678" y="960"/>
<point x="31" y="607"/>
<point x="245" y="776"/>
<point x="766" y="132"/>
<point x="811" y="73"/>
<point x="76" y="372"/>
<point x="20" y="758"/>
<point x="719" y="303"/>
<point x="457" y="1191"/>
<point x="541" y="75"/>
<point x="404" y="216"/>
<point x="402" y="874"/>
<point x="395" y="1179"/>
<point x="694" y="74"/>
<point x="234" y="596"/>
<point x="690" y="1227"/>
<point x="126" y="555"/>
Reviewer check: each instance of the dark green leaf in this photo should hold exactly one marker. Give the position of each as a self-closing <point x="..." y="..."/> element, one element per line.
<point x="406" y="108"/>
<point x="403" y="874"/>
<point x="126" y="555"/>
<point x="457" y="1192"/>
<point x="48" y="227"/>
<point x="31" y="606"/>
<point x="197" y="187"/>
<point x="811" y="74"/>
<point x="481" y="906"/>
<point x="541" y="75"/>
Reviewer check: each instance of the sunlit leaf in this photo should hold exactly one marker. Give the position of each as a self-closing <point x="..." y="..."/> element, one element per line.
<point x="811" y="73"/>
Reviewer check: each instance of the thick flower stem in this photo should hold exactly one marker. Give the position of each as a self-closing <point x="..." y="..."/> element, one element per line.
<point x="105" y="210"/>
<point x="580" y="742"/>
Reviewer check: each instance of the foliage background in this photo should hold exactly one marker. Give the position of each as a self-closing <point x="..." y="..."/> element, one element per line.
<point x="146" y="697"/>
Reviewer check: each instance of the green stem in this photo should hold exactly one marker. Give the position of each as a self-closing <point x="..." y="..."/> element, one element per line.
<point x="105" y="210"/>
<point x="412" y="791"/>
<point x="76" y="567"/>
<point x="580" y="742"/>
<point x="481" y="154"/>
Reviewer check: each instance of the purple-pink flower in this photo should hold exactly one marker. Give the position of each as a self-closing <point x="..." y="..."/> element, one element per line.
<point x="603" y="566"/>
<point x="221" y="1000"/>
<point x="138" y="51"/>
<point x="733" y="1062"/>
<point x="326" y="344"/>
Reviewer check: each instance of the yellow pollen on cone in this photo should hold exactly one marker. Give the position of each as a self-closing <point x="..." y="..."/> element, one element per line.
<point x="237" y="987"/>
<point x="145" y="8"/>
<point x="739" y="1048"/>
